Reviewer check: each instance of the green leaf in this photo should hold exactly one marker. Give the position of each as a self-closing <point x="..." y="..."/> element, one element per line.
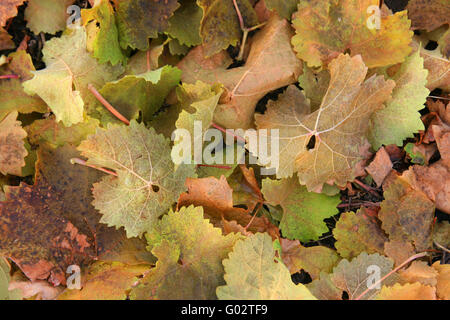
<point x="303" y="211"/>
<point x="252" y="273"/>
<point x="103" y="36"/>
<point x="69" y="66"/>
<point x="184" y="25"/>
<point x="146" y="184"/>
<point x="142" y="92"/>
<point x="5" y="294"/>
<point x="139" y="20"/>
<point x="190" y="253"/>
<point x="400" y="119"/>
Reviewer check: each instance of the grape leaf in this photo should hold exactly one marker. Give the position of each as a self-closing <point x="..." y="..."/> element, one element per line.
<point x="314" y="85"/>
<point x="139" y="20"/>
<point x="47" y="16"/>
<point x="220" y="25"/>
<point x="69" y="65"/>
<point x="284" y="8"/>
<point x="409" y="291"/>
<point x="400" y="118"/>
<point x="251" y="273"/>
<point x="303" y="211"/>
<point x="352" y="276"/>
<point x="326" y="28"/>
<point x="8" y="9"/>
<point x="216" y="198"/>
<point x="189" y="251"/>
<point x="407" y="214"/>
<point x="356" y="233"/>
<point x="106" y="281"/>
<point x="102" y="33"/>
<point x="313" y="260"/>
<point x="338" y="126"/>
<point x="184" y="25"/>
<point x="428" y="14"/>
<point x="5" y="293"/>
<point x="12" y="149"/>
<point x="50" y="225"/>
<point x="12" y="95"/>
<point x="142" y="92"/>
<point x="146" y="184"/>
<point x="271" y="64"/>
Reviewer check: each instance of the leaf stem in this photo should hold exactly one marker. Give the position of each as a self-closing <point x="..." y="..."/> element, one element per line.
<point x="245" y="30"/>
<point x="214" y="166"/>
<point x="228" y="132"/>
<point x="412" y="258"/>
<point x="84" y="163"/>
<point x="10" y="76"/>
<point x="107" y="105"/>
<point x="440" y="246"/>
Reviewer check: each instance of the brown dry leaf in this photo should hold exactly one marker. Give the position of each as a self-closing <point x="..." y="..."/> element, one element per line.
<point x="415" y="291"/>
<point x="443" y="280"/>
<point x="419" y="271"/>
<point x="358" y="232"/>
<point x="8" y="9"/>
<point x="12" y="149"/>
<point x="428" y="14"/>
<point x="216" y="198"/>
<point x="380" y="167"/>
<point x="46" y="227"/>
<point x="6" y="42"/>
<point x="314" y="260"/>
<point x="406" y="214"/>
<point x="328" y="145"/>
<point x="37" y="290"/>
<point x="398" y="250"/>
<point x="271" y="64"/>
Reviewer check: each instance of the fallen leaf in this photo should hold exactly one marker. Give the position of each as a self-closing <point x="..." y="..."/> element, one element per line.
<point x="414" y="291"/>
<point x="146" y="184"/>
<point x="325" y="29"/>
<point x="428" y="14"/>
<point x="303" y="212"/>
<point x="48" y="16"/>
<point x="380" y="167"/>
<point x="443" y="280"/>
<point x="12" y="149"/>
<point x="189" y="250"/>
<point x="252" y="274"/>
<point x="8" y="9"/>
<point x="337" y="128"/>
<point x="270" y="65"/>
<point x="358" y="232"/>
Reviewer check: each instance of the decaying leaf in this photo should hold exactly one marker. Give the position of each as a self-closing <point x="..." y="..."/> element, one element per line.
<point x="251" y="273"/>
<point x="270" y="65"/>
<point x="146" y="184"/>
<point x="428" y="14"/>
<point x="8" y="9"/>
<point x="356" y="233"/>
<point x="12" y="149"/>
<point x="189" y="249"/>
<point x="49" y="16"/>
<point x="326" y="145"/>
<point x="326" y="28"/>
<point x="139" y="20"/>
<point x="380" y="167"/>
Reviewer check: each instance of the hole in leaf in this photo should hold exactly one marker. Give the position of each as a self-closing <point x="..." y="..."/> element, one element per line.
<point x="344" y="295"/>
<point x="155" y="188"/>
<point x="431" y="45"/>
<point x="311" y="143"/>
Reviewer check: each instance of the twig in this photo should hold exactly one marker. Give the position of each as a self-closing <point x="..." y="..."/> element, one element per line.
<point x="366" y="187"/>
<point x="435" y="97"/>
<point x="107" y="105"/>
<point x="10" y="76"/>
<point x="412" y="258"/>
<point x="441" y="247"/>
<point x="84" y="163"/>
